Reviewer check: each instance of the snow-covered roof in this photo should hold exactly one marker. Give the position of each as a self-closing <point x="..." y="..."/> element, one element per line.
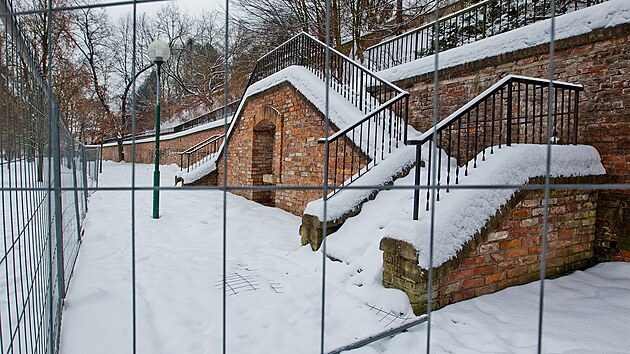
<point x="608" y="14"/>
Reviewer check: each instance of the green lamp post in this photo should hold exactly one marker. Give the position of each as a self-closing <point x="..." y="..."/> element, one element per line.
<point x="158" y="52"/>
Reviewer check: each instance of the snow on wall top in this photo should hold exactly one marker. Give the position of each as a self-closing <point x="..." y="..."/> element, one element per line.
<point x="462" y="212"/>
<point x="608" y="14"/>
<point x="202" y="127"/>
<point x="342" y="113"/>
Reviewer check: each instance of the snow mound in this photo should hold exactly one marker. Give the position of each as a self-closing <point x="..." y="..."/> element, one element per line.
<point x="342" y="112"/>
<point x="608" y="14"/>
<point x="462" y="212"/>
<point x="380" y="175"/>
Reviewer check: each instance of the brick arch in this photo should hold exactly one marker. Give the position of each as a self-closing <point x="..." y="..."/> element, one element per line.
<point x="266" y="152"/>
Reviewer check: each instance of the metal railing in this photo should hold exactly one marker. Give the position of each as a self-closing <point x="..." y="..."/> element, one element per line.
<point x="208" y="117"/>
<point x="200" y="152"/>
<point x="514" y="110"/>
<point x="482" y="20"/>
<point x="361" y="146"/>
<point x="46" y="177"/>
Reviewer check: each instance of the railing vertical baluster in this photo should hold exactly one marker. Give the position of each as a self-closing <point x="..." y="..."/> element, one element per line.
<point x="575" y="114"/>
<point x="416" y="183"/>
<point x="542" y="114"/>
<point x="501" y="117"/>
<point x="389" y="143"/>
<point x="367" y="139"/>
<point x="467" y="141"/>
<point x="494" y="95"/>
<point x="343" y="161"/>
<point x="518" y="114"/>
<point x="336" y="161"/>
<point x="533" y="114"/>
<point x="448" y="156"/>
<point x="352" y="157"/>
<point x="509" y="116"/>
<point x="476" y="137"/>
<point x="485" y="115"/>
<point x="555" y="112"/>
<point x="569" y="108"/>
<point x="526" y="109"/>
<point x="439" y="165"/>
<point x="429" y="174"/>
<point x="562" y="117"/>
<point x="459" y="150"/>
<point x="360" y="147"/>
<point x="361" y="89"/>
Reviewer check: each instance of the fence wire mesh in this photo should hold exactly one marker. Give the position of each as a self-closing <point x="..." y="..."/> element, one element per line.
<point x="41" y="224"/>
<point x="47" y="176"/>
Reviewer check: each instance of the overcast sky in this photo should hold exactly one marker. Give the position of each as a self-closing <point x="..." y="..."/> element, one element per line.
<point x="186" y="5"/>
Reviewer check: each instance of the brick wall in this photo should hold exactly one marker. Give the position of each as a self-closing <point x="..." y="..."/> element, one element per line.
<point x="506" y="251"/>
<point x="600" y="61"/>
<point x="298" y="158"/>
<point x="169" y="149"/>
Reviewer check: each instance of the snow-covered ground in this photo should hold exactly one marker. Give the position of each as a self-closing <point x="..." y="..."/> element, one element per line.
<point x="275" y="303"/>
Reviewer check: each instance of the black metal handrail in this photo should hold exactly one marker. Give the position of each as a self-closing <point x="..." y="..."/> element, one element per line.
<point x="361" y="146"/>
<point x="207" y="117"/>
<point x="514" y="110"/>
<point x="484" y="19"/>
<point x="348" y="78"/>
<point x="358" y="148"/>
<point x="200" y="152"/>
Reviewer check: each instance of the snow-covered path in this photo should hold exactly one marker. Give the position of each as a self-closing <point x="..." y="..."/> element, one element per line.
<point x="179" y="267"/>
<point x="276" y="308"/>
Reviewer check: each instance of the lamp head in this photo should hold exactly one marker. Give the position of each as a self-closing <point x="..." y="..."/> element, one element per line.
<point x="158" y="52"/>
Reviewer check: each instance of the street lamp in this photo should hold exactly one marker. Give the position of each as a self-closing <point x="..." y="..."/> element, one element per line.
<point x="158" y="52"/>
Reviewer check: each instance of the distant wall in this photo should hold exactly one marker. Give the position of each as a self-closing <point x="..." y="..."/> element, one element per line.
<point x="506" y="251"/>
<point x="600" y="61"/>
<point x="169" y="149"/>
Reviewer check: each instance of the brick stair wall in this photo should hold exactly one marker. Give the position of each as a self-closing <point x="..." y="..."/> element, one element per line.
<point x="506" y="251"/>
<point x="600" y="61"/>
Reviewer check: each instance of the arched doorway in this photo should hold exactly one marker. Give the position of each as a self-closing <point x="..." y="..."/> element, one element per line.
<point x="264" y="171"/>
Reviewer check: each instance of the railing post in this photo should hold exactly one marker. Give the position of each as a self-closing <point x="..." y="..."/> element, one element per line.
<point x="416" y="183"/>
<point x="575" y="126"/>
<point x="361" y="89"/>
<point x="508" y="141"/>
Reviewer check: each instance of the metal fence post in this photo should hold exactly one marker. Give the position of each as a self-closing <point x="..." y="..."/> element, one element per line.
<point x="75" y="184"/>
<point x="84" y="172"/>
<point x="56" y="156"/>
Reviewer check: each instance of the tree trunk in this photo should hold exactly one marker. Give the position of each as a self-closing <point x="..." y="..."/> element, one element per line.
<point x="399" y="16"/>
<point x="121" y="150"/>
<point x="40" y="166"/>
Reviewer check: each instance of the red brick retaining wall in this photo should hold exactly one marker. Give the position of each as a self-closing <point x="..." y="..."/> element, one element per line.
<point x="505" y="252"/>
<point x="600" y="61"/>
<point x="298" y="158"/>
<point x="169" y="149"/>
